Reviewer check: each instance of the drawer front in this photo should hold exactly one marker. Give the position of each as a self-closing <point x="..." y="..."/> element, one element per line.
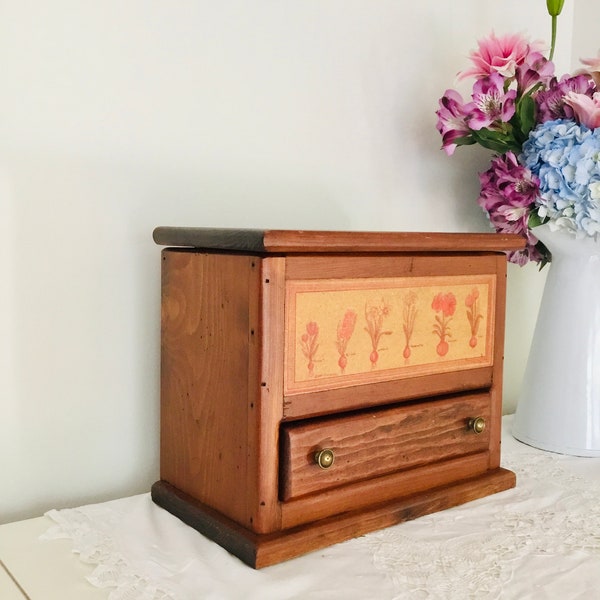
<point x="380" y="442"/>
<point x="347" y="332"/>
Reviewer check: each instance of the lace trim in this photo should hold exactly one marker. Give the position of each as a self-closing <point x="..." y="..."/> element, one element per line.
<point x="552" y="513"/>
<point x="544" y="532"/>
<point x="98" y="548"/>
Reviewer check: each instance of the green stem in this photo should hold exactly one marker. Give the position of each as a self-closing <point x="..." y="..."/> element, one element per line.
<point x="553" y="38"/>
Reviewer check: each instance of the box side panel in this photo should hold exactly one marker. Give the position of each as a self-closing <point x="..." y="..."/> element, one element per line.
<point x="205" y="397"/>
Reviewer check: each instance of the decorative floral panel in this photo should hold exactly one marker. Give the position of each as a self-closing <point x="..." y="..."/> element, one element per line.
<point x="356" y="331"/>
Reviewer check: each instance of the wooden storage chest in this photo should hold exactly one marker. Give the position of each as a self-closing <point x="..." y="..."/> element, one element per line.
<point x="319" y="385"/>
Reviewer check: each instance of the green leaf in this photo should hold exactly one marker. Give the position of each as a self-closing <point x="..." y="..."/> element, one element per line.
<point x="534" y="219"/>
<point x="525" y="116"/>
<point x="466" y="140"/>
<point x="495" y="140"/>
<point x="546" y="255"/>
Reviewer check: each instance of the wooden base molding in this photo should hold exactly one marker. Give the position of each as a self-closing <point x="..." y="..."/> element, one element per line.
<point x="263" y="550"/>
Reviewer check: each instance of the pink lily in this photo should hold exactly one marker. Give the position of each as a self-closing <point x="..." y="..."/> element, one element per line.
<point x="586" y="109"/>
<point x="500" y="55"/>
<point x="593" y="69"/>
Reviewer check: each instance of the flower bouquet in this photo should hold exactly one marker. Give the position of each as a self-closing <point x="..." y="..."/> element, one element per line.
<point x="544" y="132"/>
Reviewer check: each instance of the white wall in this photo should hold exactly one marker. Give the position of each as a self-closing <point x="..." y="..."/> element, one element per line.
<point x="121" y="115"/>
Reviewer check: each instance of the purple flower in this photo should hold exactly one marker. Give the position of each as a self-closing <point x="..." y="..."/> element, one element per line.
<point x="452" y="120"/>
<point x="551" y="102"/>
<point x="490" y="102"/>
<point x="508" y="194"/>
<point x="536" y="68"/>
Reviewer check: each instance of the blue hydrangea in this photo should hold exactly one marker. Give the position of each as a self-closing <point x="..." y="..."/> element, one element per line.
<point x="565" y="157"/>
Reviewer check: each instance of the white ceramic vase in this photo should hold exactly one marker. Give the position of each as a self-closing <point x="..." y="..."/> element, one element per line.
<point x="559" y="405"/>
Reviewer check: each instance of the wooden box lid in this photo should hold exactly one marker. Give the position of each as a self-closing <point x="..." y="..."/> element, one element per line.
<point x="279" y="241"/>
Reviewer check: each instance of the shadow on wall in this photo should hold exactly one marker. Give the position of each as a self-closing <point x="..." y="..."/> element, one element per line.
<point x="523" y="296"/>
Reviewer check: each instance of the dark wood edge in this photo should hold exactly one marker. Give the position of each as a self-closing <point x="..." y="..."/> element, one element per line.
<point x="262" y="550"/>
<point x="233" y="537"/>
<point x="243" y="240"/>
<point x="297" y="241"/>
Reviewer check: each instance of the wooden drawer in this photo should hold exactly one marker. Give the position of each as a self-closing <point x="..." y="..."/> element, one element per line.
<point x="379" y="442"/>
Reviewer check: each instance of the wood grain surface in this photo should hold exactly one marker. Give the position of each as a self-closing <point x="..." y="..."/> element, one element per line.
<point x="373" y="443"/>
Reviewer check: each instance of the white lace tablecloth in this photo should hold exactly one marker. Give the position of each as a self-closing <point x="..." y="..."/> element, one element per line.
<point x="539" y="540"/>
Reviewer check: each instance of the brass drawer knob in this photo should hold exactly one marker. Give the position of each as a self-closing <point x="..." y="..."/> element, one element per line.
<point x="477" y="425"/>
<point x="324" y="458"/>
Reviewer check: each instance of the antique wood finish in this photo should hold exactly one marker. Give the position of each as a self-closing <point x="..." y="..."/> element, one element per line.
<point x="241" y="418"/>
<point x="376" y="442"/>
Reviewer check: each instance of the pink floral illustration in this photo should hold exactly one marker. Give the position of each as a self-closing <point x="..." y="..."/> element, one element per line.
<point x="309" y="344"/>
<point x="344" y="333"/>
<point x="446" y="305"/>
<point x="409" y="314"/>
<point x="473" y="315"/>
<point x="374" y="316"/>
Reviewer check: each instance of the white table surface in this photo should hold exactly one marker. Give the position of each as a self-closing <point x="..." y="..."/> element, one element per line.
<point x="43" y="570"/>
<point x="538" y="541"/>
